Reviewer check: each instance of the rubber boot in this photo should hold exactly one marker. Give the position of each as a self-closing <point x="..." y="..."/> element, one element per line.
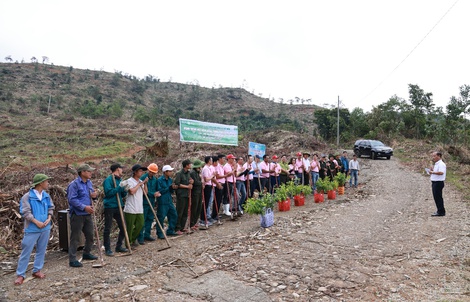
<point x="226" y="210"/>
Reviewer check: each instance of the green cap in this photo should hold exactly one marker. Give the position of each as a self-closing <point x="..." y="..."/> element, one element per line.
<point x="197" y="163"/>
<point x="39" y="178"/>
<point x="85" y="167"/>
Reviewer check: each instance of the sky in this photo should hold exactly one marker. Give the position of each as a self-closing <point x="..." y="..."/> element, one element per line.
<point x="362" y="51"/>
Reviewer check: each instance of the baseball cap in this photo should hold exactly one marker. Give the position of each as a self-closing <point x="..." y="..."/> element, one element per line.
<point x="274" y="157"/>
<point x="230" y="156"/>
<point x="299" y="153"/>
<point x="257" y="156"/>
<point x="167" y="168"/>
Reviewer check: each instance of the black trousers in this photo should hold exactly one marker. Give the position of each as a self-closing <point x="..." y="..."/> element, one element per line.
<point x="437" y="187"/>
<point x="109" y="215"/>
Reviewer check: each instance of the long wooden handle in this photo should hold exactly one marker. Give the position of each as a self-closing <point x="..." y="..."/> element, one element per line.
<point x="122" y="218"/>
<point x="156" y="218"/>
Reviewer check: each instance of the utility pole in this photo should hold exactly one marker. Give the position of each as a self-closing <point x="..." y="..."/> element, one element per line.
<point x="337" y="127"/>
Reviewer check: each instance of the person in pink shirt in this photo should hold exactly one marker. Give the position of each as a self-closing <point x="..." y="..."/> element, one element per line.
<point x="206" y="176"/>
<point x="221" y="178"/>
<point x="299" y="168"/>
<point x="249" y="179"/>
<point x="275" y="170"/>
<point x="217" y="189"/>
<point x="230" y="178"/>
<point x="315" y="171"/>
<point x="242" y="172"/>
<point x="265" y="170"/>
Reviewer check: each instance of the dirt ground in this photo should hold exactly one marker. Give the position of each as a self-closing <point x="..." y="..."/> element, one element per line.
<point x="376" y="243"/>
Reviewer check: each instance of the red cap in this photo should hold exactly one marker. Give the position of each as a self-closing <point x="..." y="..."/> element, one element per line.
<point x="230" y="156"/>
<point x="275" y="157"/>
<point x="299" y="154"/>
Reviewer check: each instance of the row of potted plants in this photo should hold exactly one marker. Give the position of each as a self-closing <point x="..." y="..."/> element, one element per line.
<point x="282" y="195"/>
<point x="326" y="186"/>
<point x="264" y="204"/>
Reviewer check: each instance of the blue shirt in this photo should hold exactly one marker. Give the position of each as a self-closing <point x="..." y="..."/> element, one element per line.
<point x="345" y="163"/>
<point x="78" y="195"/>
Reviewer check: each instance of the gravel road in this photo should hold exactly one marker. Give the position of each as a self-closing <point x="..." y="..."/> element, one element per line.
<point x="375" y="243"/>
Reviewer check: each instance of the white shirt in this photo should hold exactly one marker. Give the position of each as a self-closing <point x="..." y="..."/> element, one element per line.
<point x="134" y="203"/>
<point x="439" y="166"/>
<point x="39" y="195"/>
<point x="354" y="165"/>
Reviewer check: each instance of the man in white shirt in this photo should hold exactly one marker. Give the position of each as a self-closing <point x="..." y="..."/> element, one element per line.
<point x="134" y="208"/>
<point x="438" y="176"/>
<point x="354" y="171"/>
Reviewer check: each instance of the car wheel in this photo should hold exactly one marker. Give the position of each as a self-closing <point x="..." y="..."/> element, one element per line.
<point x="372" y="155"/>
<point x="388" y="157"/>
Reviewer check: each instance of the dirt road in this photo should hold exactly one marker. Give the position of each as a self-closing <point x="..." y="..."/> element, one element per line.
<point x="378" y="243"/>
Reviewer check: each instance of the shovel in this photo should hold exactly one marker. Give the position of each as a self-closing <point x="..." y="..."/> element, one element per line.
<point x="128" y="244"/>
<point x="159" y="225"/>
<point x="101" y="264"/>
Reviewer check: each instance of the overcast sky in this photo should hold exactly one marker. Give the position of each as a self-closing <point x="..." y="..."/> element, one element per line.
<point x="316" y="50"/>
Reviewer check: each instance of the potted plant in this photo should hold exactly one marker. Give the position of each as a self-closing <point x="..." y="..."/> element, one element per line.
<point x="281" y="195"/>
<point x="322" y="187"/>
<point x="333" y="185"/>
<point x="303" y="190"/>
<point x="341" y="178"/>
<point x="262" y="206"/>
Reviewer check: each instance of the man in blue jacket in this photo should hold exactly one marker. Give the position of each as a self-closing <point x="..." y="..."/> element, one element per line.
<point x="79" y="194"/>
<point x="37" y="208"/>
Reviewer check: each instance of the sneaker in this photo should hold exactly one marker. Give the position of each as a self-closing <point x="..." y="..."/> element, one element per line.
<point x="89" y="257"/>
<point x="120" y="249"/>
<point x="75" y="264"/>
<point x="142" y="242"/>
<point x="210" y="220"/>
<point x="149" y="238"/>
<point x="109" y="253"/>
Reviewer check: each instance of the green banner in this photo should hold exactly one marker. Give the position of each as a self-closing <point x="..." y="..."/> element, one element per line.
<point x="210" y="133"/>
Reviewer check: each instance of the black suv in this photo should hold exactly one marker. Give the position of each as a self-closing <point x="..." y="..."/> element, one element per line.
<point x="372" y="148"/>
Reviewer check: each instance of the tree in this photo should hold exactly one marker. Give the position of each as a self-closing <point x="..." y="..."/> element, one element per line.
<point x="421" y="104"/>
<point x="456" y="122"/>
<point x="45" y="59"/>
<point x="34" y="60"/>
<point x="8" y="58"/>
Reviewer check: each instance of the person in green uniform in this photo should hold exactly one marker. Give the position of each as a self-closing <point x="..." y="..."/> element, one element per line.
<point x="112" y="191"/>
<point x="196" y="194"/>
<point x="165" y="206"/>
<point x="152" y="193"/>
<point x="184" y="183"/>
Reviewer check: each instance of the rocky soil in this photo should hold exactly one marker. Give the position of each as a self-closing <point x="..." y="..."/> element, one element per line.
<point x="376" y="243"/>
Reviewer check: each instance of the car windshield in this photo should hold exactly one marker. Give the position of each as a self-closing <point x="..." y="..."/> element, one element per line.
<point x="376" y="144"/>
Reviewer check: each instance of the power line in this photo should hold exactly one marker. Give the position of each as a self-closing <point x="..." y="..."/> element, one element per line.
<point x="386" y="78"/>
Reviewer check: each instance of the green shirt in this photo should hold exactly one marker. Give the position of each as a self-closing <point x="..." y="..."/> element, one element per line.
<point x="151" y="187"/>
<point x="182" y="178"/>
<point x="110" y="191"/>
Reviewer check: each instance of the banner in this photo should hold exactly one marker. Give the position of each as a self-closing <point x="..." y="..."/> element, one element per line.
<point x="256" y="149"/>
<point x="210" y="133"/>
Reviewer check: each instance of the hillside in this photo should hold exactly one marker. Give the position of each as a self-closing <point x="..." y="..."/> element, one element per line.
<point x="99" y="117"/>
